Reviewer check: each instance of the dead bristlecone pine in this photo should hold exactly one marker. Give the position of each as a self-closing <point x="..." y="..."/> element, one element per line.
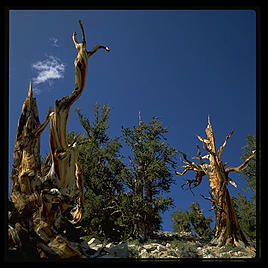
<point x="46" y="203"/>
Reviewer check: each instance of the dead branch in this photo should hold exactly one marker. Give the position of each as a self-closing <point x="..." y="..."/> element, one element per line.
<point x="242" y="166"/>
<point x="183" y="172"/>
<point x="204" y="143"/>
<point x="200" y="157"/>
<point x="83" y="33"/>
<point x="41" y="128"/>
<point x="215" y="205"/>
<point x="224" y="144"/>
<point x="198" y="179"/>
<point x="209" y="199"/>
<point x="97" y="47"/>
<point x="232" y="182"/>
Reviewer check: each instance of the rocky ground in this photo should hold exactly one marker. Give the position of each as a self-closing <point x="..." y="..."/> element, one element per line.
<point x="166" y="245"/>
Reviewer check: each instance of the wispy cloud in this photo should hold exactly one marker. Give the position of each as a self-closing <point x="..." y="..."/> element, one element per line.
<point x="47" y="70"/>
<point x="54" y="41"/>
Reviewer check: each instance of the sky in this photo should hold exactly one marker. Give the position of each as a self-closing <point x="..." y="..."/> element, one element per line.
<point x="179" y="65"/>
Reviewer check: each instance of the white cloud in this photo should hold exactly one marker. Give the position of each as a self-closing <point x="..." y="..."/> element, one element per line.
<point x="54" y="41"/>
<point x="48" y="70"/>
<point x="36" y="90"/>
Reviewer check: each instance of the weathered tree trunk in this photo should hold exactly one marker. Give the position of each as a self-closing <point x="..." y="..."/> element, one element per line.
<point x="25" y="177"/>
<point x="27" y="162"/>
<point x="227" y="228"/>
<point x="47" y="206"/>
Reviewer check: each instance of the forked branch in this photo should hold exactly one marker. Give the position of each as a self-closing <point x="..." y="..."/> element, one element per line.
<point x="83" y="33"/>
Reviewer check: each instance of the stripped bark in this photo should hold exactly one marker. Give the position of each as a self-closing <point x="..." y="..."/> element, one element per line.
<point x="227" y="228"/>
<point x="48" y="202"/>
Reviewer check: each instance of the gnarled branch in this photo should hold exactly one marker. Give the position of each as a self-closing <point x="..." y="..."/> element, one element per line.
<point x="242" y="166"/>
<point x="194" y="167"/>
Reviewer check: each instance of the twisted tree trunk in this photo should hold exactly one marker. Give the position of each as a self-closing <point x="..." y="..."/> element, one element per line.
<point x="227" y="228"/>
<point x="47" y="206"/>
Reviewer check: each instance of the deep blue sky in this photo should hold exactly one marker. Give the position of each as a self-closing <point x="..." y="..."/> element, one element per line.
<point x="180" y="65"/>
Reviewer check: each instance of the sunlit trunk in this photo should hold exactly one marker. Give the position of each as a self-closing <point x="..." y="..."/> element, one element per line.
<point x="227" y="229"/>
<point x="48" y="202"/>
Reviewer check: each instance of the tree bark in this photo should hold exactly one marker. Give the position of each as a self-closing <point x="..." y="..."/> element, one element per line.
<point x="47" y="207"/>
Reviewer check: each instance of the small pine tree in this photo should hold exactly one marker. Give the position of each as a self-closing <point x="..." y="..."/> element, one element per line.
<point x="200" y="224"/>
<point x="192" y="221"/>
<point x="181" y="221"/>
<point x="246" y="213"/>
<point x="246" y="208"/>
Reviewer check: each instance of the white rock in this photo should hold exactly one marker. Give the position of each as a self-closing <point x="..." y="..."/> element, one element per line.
<point x="96" y="247"/>
<point x="109" y="245"/>
<point x="144" y="254"/>
<point x="208" y="256"/>
<point x="150" y="247"/>
<point x="155" y="253"/>
<point x="94" y="241"/>
<point x="160" y="248"/>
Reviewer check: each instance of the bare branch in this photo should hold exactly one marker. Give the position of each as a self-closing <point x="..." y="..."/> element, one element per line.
<point x="199" y="156"/>
<point x="41" y="128"/>
<point x="190" y="163"/>
<point x="209" y="120"/>
<point x="184" y="171"/>
<point x="204" y="142"/>
<point x="97" y="47"/>
<point x="202" y="139"/>
<point x="224" y="144"/>
<point x="209" y="199"/>
<point x="232" y="182"/>
<point x="189" y="183"/>
<point x="83" y="33"/>
<point x="242" y="166"/>
<point x="198" y="179"/>
<point x="215" y="204"/>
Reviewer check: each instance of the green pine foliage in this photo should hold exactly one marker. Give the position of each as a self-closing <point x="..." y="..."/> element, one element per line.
<point x="181" y="221"/>
<point x="200" y="224"/>
<point x="149" y="174"/>
<point x="246" y="208"/>
<point x="246" y="213"/>
<point x="250" y="171"/>
<point x="102" y="168"/>
<point x="192" y="221"/>
<point x="123" y="195"/>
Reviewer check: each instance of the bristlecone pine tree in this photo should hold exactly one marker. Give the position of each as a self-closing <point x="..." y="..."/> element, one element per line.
<point x="48" y="203"/>
<point x="227" y="228"/>
<point x="149" y="175"/>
